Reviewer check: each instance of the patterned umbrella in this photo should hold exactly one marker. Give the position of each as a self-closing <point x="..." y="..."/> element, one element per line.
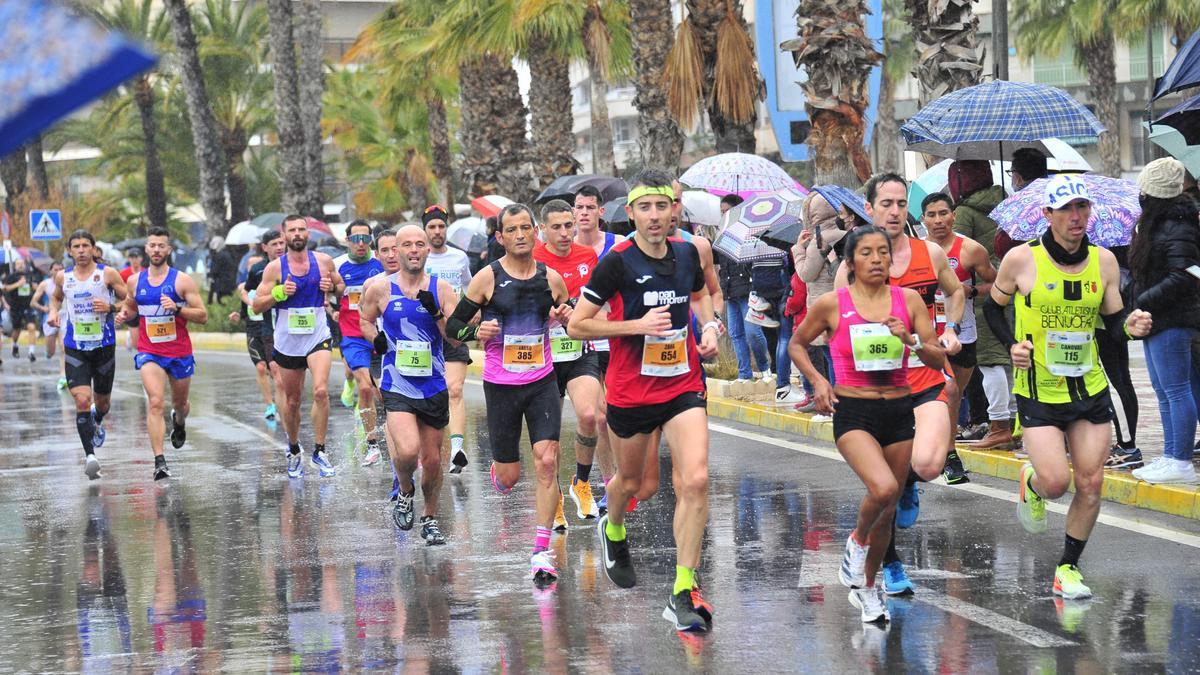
<point x="763" y="212"/>
<point x="735" y="241"/>
<point x="1115" y="211"/>
<point x="736" y="172"/>
<point x="992" y="120"/>
<point x="839" y="196"/>
<point x="53" y="61"/>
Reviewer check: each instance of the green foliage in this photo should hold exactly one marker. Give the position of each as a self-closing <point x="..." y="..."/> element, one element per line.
<point x="218" y="316"/>
<point x="900" y="48"/>
<point x="1045" y="27"/>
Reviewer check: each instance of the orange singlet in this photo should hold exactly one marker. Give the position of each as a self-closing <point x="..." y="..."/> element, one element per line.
<point x="922" y="278"/>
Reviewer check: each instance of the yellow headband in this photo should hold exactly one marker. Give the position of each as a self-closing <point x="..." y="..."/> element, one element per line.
<point x="646" y="190"/>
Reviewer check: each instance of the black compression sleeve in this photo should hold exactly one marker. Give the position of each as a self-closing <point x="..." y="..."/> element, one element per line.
<point x="1114" y="325"/>
<point x="458" y="325"/>
<point x="994" y="313"/>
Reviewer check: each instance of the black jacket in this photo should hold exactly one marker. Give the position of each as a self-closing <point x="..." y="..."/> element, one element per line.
<point x="1165" y="288"/>
<point x="735" y="278"/>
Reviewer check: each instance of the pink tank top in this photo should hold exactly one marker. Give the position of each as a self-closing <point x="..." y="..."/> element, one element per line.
<point x="865" y="353"/>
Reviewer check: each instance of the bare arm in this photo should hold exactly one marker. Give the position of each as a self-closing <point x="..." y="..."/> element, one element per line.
<point x="931" y="352"/>
<point x="113" y="279"/>
<point x="711" y="280"/>
<point x="447" y="300"/>
<point x="263" y="300"/>
<point x="38" y="294"/>
<point x="368" y="310"/>
<point x="816" y="322"/>
<point x="952" y="288"/>
<point x="979" y="264"/>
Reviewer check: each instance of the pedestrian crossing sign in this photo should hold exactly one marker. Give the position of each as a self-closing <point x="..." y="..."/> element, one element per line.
<point x="45" y="225"/>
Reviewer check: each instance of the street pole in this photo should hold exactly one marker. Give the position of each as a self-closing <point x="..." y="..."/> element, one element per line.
<point x="1149" y="92"/>
<point x="1000" y="39"/>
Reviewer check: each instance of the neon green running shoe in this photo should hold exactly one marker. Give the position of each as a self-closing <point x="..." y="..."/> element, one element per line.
<point x="1068" y="583"/>
<point x="349" y="394"/>
<point x="1031" y="508"/>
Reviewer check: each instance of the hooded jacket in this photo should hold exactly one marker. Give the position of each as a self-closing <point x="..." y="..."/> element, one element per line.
<point x="1165" y="288"/>
<point x="971" y="217"/>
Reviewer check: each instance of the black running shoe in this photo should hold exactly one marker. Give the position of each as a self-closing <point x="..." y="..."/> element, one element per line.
<point x="459" y="461"/>
<point x="430" y="531"/>
<point x="178" y="433"/>
<point x="402" y="512"/>
<point x="683" y="614"/>
<point x="161" y="470"/>
<point x="617" y="565"/>
<point x="954" y="472"/>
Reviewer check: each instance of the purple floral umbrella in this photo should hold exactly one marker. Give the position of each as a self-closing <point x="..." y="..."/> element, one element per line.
<point x="736" y="172"/>
<point x="1115" y="211"/>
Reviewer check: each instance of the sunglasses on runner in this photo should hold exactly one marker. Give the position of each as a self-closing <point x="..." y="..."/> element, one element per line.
<point x="359" y="239"/>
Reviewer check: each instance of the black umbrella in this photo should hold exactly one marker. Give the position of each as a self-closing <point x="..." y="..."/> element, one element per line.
<point x="614" y="211"/>
<point x="783" y="234"/>
<point x="1184" y="118"/>
<point x="565" y="187"/>
<point x="1184" y="71"/>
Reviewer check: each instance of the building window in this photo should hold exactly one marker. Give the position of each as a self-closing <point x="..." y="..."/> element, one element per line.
<point x="1137" y="55"/>
<point x="624" y="130"/>
<point x="1058" y="71"/>
<point x="1137" y="152"/>
<point x="581" y="95"/>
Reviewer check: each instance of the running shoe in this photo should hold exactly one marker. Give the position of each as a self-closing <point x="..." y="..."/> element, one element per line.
<point x="853" y="572"/>
<point x="617" y="565"/>
<point x="161" y="470"/>
<point x="787" y="396"/>
<point x="1122" y="458"/>
<point x="954" y="472"/>
<point x="760" y="319"/>
<point x="62" y="383"/>
<point x="1168" y="471"/>
<point x="98" y="433"/>
<point x="271" y="412"/>
<point x="560" y="518"/>
<point x="703" y="607"/>
<point x="895" y="581"/>
<point x="458" y="462"/>
<point x="32" y="356"/>
<point x="373" y="454"/>
<point x="16" y="351"/>
<point x="91" y="466"/>
<point x="972" y="433"/>
<point x="496" y="484"/>
<point x="581" y="494"/>
<point x="319" y="460"/>
<point x="543" y="568"/>
<point x="1068" y="583"/>
<point x="602" y="505"/>
<point x="870" y="602"/>
<point x="178" y="433"/>
<point x="295" y="465"/>
<point x="757" y="303"/>
<point x="430" y="532"/>
<point x="395" y="487"/>
<point x="402" y="512"/>
<point x="682" y="613"/>
<point x="348" y="394"/>
<point x="908" y="508"/>
<point x="1031" y="508"/>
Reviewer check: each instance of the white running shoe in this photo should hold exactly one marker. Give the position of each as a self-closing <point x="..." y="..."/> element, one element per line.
<point x="1165" y="470"/>
<point x="788" y="396"/>
<point x="373" y="454"/>
<point x="870" y="602"/>
<point x="759" y="319"/>
<point x="853" y="572"/>
<point x="543" y="567"/>
<point x="756" y="303"/>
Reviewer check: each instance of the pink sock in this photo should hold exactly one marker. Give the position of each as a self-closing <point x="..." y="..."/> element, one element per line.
<point x="542" y="541"/>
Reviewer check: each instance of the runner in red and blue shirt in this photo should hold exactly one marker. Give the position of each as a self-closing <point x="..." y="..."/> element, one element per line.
<point x="355" y="268"/>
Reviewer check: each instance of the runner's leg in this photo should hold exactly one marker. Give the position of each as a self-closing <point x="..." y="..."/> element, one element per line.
<point x="320" y="362"/>
<point x="431" y="467"/>
<point x="932" y="439"/>
<point x="456" y="375"/>
<point x="154" y="381"/>
<point x="179" y="399"/>
<point x="687" y="438"/>
<point x="291" y="383"/>
<point x="1089" y="445"/>
<point x="405" y="436"/>
<point x="366" y="403"/>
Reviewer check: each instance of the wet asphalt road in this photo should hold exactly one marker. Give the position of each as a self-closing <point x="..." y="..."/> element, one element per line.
<point x="231" y="566"/>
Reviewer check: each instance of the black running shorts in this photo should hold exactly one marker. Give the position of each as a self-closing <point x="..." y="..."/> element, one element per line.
<point x="965" y="358"/>
<point x="300" y="362"/>
<point x="261" y="348"/>
<point x="935" y="393"/>
<point x="629" y="422"/>
<point x="432" y="412"/>
<point x="538" y="402"/>
<point x="93" y="368"/>
<point x="1095" y="409"/>
<point x="456" y="354"/>
<point x="587" y="365"/>
<point x="887" y="420"/>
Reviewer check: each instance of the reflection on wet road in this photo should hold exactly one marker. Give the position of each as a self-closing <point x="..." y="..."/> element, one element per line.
<point x="231" y="566"/>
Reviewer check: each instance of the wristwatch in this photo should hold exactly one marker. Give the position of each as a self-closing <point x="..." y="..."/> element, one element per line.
<point x="952" y="325"/>
<point x="916" y="345"/>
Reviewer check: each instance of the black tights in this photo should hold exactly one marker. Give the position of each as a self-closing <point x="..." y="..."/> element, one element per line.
<point x="1114" y="355"/>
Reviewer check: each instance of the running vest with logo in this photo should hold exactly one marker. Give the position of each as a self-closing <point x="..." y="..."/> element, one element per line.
<point x="520" y="354"/>
<point x="87" y="330"/>
<point x="865" y="353"/>
<point x="1059" y="316"/>
<point x="966" y="327"/>
<point x="355" y="276"/>
<point x="160" y="332"/>
<point x="922" y="278"/>
<point x="300" y="321"/>
<point x="414" y="365"/>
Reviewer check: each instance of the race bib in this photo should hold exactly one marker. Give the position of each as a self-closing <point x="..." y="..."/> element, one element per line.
<point x="353" y="295"/>
<point x="939" y="307"/>
<point x="302" y="320"/>
<point x="88" y="328"/>
<point x="524" y="353"/>
<point x="875" y="348"/>
<point x="665" y="356"/>
<point x="25" y="291"/>
<point x="1068" y="354"/>
<point x="562" y="347"/>
<point x="160" y="329"/>
<point x="414" y="358"/>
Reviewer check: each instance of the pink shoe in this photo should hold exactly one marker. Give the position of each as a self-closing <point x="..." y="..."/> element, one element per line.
<point x="502" y="490"/>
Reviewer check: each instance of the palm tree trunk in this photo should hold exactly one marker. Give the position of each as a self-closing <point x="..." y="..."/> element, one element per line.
<point x="37" y="168"/>
<point x="705" y="16"/>
<point x="14" y="171"/>
<point x="156" y="193"/>
<point x="887" y="132"/>
<point x="1098" y="60"/>
<point x="439" y="148"/>
<point x="603" y="159"/>
<point x="288" y="127"/>
<point x="235" y="144"/>
<point x="209" y="158"/>
<point x="492" y="130"/>
<point x="309" y="25"/>
<point x="660" y="141"/>
<point x="948" y="56"/>
<point x="550" y="116"/>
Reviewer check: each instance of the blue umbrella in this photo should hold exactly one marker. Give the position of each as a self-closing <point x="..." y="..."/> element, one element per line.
<point x="1184" y="71"/>
<point x="53" y="62"/>
<point x="992" y="120"/>
<point x="838" y="196"/>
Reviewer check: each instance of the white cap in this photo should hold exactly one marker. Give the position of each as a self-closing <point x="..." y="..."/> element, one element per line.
<point x="1063" y="189"/>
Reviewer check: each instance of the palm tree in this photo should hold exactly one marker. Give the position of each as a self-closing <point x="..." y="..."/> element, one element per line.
<point x="210" y="159"/>
<point x="37" y="168"/>
<point x="605" y="34"/>
<point x="140" y="19"/>
<point x="660" y="141"/>
<point x="1046" y="26"/>
<point x="1181" y="16"/>
<point x="899" y="54"/>
<point x="837" y="54"/>
<point x="309" y="27"/>
<point x="947" y="57"/>
<point x="731" y="133"/>
<point x="13" y="171"/>
<point x="233" y="53"/>
<point x="289" y="128"/>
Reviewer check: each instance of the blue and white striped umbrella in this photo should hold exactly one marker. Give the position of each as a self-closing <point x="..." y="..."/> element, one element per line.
<point x="994" y="119"/>
<point x="53" y="62"/>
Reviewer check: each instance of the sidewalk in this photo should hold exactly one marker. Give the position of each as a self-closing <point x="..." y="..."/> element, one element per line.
<point x="1119" y="486"/>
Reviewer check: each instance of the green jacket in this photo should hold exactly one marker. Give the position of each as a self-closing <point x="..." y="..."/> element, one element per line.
<point x="971" y="217"/>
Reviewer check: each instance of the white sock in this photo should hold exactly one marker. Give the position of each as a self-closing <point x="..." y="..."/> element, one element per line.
<point x="456" y="443"/>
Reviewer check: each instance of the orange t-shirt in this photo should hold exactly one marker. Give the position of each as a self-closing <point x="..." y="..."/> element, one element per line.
<point x="575" y="267"/>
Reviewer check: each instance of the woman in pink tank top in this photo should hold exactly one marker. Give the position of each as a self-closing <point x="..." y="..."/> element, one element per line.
<point x="873" y="328"/>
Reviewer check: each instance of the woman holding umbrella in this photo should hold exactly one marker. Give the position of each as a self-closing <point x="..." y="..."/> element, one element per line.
<point x="1163" y="249"/>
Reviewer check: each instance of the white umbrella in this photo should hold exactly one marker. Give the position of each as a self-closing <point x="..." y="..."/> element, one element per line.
<point x="245" y="233"/>
<point x="701" y="208"/>
<point x="468" y="234"/>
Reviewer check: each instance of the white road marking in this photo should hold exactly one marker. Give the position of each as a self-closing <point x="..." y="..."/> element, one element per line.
<point x="989" y="619"/>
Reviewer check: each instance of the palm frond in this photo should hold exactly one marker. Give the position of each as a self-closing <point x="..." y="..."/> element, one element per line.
<point x="735" y="86"/>
<point x="683" y="77"/>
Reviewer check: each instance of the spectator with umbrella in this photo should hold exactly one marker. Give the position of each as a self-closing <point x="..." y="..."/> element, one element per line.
<point x="816" y="257"/>
<point x="747" y="338"/>
<point x="222" y="270"/>
<point x="1163" y="249"/>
